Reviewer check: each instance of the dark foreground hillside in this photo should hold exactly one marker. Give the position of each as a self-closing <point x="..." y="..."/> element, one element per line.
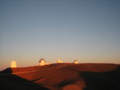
<point x="62" y="77"/>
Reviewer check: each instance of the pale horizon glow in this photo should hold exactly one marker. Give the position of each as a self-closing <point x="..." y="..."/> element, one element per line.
<point x="86" y="30"/>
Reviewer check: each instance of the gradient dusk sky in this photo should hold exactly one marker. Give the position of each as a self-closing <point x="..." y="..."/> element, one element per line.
<point x="86" y="30"/>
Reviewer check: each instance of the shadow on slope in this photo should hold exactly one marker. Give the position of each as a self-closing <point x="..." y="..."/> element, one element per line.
<point x="102" y="80"/>
<point x="9" y="81"/>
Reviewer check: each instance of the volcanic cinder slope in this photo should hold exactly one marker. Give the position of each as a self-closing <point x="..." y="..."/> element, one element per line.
<point x="62" y="77"/>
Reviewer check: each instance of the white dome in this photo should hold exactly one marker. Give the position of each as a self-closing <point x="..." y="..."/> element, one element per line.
<point x="13" y="64"/>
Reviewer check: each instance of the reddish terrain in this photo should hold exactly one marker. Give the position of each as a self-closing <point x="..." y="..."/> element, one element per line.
<point x="62" y="77"/>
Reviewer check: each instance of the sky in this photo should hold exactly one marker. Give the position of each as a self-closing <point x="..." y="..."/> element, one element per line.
<point x="86" y="30"/>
